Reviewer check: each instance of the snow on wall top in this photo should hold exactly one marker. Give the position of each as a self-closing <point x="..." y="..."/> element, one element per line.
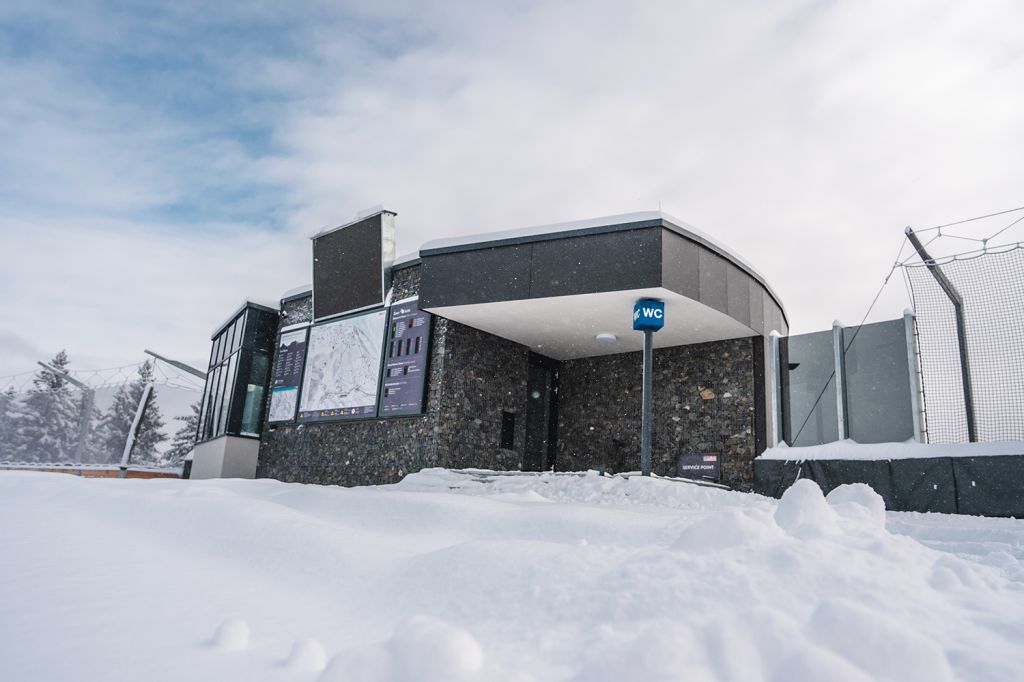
<point x="296" y="291"/>
<point x="360" y="216"/>
<point x="852" y="450"/>
<point x="270" y="305"/>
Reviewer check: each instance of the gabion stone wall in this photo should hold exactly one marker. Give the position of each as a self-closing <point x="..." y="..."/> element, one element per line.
<point x="704" y="403"/>
<point x="473" y="377"/>
<point x="704" y="398"/>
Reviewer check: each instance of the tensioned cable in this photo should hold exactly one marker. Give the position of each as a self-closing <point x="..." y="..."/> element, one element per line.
<point x="853" y="338"/>
<point x="970" y="220"/>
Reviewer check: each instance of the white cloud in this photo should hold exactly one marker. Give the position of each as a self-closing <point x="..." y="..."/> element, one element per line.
<point x="804" y="134"/>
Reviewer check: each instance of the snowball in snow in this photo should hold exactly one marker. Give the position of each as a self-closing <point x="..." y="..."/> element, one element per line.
<point x="232" y="635"/>
<point x="307" y="655"/>
<point x="433" y="647"/>
<point x="803" y="512"/>
<point x="858" y="502"/>
<point x="423" y="649"/>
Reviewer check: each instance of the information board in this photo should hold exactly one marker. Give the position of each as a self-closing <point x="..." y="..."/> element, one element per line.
<point x="405" y="360"/>
<point x="706" y="467"/>
<point x="284" y="385"/>
<point x="342" y="372"/>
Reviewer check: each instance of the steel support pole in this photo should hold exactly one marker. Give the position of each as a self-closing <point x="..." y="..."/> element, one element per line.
<point x="775" y="401"/>
<point x="129" y="443"/>
<point x="961" y="329"/>
<point x="645" y="414"/>
<point x="839" y="361"/>
<point x="915" y="384"/>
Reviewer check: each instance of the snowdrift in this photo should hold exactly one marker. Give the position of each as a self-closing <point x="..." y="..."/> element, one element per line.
<point x="466" y="576"/>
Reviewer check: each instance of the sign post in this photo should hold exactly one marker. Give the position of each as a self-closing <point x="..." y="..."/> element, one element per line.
<point x="648" y="317"/>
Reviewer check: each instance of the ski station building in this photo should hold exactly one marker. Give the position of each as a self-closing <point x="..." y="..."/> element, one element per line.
<point x="510" y="351"/>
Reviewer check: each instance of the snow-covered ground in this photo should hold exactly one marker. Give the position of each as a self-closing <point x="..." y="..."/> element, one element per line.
<point x="452" y="576"/>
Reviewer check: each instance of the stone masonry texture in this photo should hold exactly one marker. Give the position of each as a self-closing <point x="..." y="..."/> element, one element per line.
<point x="703" y="402"/>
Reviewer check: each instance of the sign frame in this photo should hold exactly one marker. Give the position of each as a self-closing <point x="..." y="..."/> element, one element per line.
<point x="374" y="414"/>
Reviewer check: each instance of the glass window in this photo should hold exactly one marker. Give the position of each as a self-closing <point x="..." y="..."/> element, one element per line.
<point x="216" y="350"/>
<point x="218" y="399"/>
<point x="236" y="330"/>
<point x="229" y="383"/>
<point x="254" y="388"/>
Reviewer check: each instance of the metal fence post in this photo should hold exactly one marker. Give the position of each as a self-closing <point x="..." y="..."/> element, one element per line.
<point x="775" y="386"/>
<point x="129" y="443"/>
<point x="915" y="383"/>
<point x="961" y="329"/>
<point x="839" y="358"/>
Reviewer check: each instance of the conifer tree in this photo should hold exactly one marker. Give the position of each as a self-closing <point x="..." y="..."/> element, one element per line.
<point x="184" y="438"/>
<point x="46" y="426"/>
<point x="117" y="422"/>
<point x="9" y="412"/>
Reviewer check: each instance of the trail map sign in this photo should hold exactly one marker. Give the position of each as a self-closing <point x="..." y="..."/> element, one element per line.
<point x="405" y="361"/>
<point x="284" y="385"/>
<point x="342" y="373"/>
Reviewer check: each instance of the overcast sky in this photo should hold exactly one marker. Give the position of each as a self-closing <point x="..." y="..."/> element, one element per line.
<point x="161" y="162"/>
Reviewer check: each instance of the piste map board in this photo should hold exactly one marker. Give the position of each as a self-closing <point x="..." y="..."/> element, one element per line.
<point x="284" y="385"/>
<point x="342" y="373"/>
<point x="405" y="360"/>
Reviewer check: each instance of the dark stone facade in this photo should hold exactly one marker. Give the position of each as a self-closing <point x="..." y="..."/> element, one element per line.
<point x="704" y="400"/>
<point x="474" y="376"/>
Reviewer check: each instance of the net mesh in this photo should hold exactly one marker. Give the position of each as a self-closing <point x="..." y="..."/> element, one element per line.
<point x="84" y="417"/>
<point x="991" y="286"/>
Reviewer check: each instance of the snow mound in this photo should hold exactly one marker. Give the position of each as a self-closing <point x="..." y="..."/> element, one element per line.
<point x="423" y="649"/>
<point x="859" y="503"/>
<point x="818" y="664"/>
<point x="307" y="655"/>
<point x="803" y="512"/>
<point x="232" y="635"/>
<point x="731" y="528"/>
<point x="878" y="644"/>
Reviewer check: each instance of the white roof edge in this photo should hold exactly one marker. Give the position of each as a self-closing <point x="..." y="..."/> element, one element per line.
<point x="537" y="230"/>
<point x="401" y="260"/>
<point x="273" y="305"/>
<point x="589" y="223"/>
<point x="296" y="291"/>
<point x="360" y="215"/>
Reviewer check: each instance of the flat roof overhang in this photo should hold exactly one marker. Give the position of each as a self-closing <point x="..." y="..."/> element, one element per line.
<point x="554" y="289"/>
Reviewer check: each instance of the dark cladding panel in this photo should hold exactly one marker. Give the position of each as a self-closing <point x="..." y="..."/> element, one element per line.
<point x="348" y="266"/>
<point x="713" y="281"/>
<point x="738" y="293"/>
<point x="757" y="296"/>
<point x="680" y="271"/>
<point x="598" y="262"/>
<point x="480" y="276"/>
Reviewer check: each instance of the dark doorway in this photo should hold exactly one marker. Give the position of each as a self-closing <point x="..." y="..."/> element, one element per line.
<point x="541" y="414"/>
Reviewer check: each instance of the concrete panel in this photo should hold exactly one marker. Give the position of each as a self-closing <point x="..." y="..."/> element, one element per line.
<point x="680" y="269"/>
<point x="877" y="383"/>
<point x="714" y="290"/>
<point x="226" y="457"/>
<point x="737" y="294"/>
<point x="756" y="300"/>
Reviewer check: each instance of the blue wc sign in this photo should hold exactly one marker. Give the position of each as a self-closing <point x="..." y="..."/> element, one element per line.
<point x="648" y="314"/>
